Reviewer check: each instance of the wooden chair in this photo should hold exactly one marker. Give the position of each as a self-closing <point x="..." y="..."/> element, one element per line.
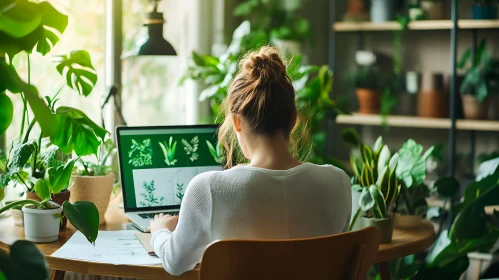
<point x="340" y="256"/>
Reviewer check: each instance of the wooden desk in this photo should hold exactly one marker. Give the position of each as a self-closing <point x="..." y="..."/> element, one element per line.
<point x="405" y="242"/>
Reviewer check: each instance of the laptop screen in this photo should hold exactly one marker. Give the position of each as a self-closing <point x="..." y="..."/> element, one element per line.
<point x="157" y="163"/>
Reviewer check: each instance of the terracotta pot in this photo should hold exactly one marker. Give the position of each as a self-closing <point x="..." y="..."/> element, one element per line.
<point x="96" y="189"/>
<point x="369" y="101"/>
<point x="474" y="110"/>
<point x="407" y="221"/>
<point x="433" y="104"/>
<point x="59" y="198"/>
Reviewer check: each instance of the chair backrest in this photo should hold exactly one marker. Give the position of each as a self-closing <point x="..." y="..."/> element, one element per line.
<point x="340" y="256"/>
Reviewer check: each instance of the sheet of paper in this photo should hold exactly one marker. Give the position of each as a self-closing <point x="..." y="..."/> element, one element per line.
<point x="114" y="247"/>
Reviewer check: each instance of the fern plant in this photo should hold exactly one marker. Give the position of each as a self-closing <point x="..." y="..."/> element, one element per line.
<point x="191" y="148"/>
<point x="169" y="151"/>
<point x="216" y="152"/>
<point x="149" y="197"/>
<point x="140" y="154"/>
<point x="180" y="192"/>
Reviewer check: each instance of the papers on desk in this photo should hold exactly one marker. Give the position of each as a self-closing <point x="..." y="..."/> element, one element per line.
<point x="114" y="247"/>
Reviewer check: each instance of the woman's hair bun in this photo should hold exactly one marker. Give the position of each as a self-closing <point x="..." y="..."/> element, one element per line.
<point x="264" y="66"/>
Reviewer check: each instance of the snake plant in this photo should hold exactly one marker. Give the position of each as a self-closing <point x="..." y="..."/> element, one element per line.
<point x="169" y="150"/>
<point x="375" y="176"/>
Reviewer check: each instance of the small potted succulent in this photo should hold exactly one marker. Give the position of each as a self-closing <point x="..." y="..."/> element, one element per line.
<point x="94" y="180"/>
<point x="484" y="9"/>
<point x="375" y="179"/>
<point x="368" y="85"/>
<point x="481" y="81"/>
<point x="411" y="171"/>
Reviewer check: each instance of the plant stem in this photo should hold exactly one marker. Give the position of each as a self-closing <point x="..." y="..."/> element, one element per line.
<point x="25" y="112"/>
<point x="20" y="202"/>
<point x="84" y="166"/>
<point x="37" y="151"/>
<point x="20" y="178"/>
<point x="354" y="219"/>
<point x="28" y="131"/>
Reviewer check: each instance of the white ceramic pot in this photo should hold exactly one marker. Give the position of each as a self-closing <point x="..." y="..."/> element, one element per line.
<point x="18" y="217"/>
<point x="41" y="226"/>
<point x="407" y="221"/>
<point x="287" y="46"/>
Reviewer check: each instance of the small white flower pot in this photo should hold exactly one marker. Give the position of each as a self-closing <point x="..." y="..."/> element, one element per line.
<point x="41" y="226"/>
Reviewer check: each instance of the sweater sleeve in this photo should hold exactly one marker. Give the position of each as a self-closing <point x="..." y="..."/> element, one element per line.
<point x="183" y="248"/>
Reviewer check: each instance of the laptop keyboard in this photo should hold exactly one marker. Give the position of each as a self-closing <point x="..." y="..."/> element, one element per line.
<point x="151" y="215"/>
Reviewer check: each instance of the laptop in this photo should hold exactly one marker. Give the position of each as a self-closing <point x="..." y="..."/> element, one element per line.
<point x="157" y="164"/>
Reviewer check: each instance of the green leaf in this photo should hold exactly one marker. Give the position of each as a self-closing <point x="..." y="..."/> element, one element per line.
<point x="411" y="168"/>
<point x="20" y="155"/>
<point x="49" y="156"/>
<point x="77" y="133"/>
<point x="43" y="21"/>
<point x="446" y="186"/>
<point x="58" y="177"/>
<point x="79" y="72"/>
<point x="366" y="201"/>
<point x="51" y="19"/>
<point x="25" y="262"/>
<point x="464" y="59"/>
<point x="3" y="161"/>
<point x="84" y="216"/>
<point x="379" y="202"/>
<point x="6" y="112"/>
<point x="42" y="190"/>
<point x="18" y="18"/>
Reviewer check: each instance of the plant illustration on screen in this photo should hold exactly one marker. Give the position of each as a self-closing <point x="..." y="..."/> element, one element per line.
<point x="149" y="197"/>
<point x="217" y="152"/>
<point x="180" y="191"/>
<point x="169" y="151"/>
<point x="140" y="154"/>
<point x="191" y="148"/>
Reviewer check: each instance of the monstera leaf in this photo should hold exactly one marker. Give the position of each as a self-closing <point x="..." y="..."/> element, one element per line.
<point x="77" y="132"/>
<point x="6" y="112"/>
<point x="84" y="216"/>
<point x="78" y="70"/>
<point x="25" y="24"/>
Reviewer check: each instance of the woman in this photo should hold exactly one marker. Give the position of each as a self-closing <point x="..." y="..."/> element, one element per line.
<point x="275" y="196"/>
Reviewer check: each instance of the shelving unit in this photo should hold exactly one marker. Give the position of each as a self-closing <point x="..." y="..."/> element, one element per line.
<point x="451" y="124"/>
<point x="417" y="122"/>
<point x="415" y="25"/>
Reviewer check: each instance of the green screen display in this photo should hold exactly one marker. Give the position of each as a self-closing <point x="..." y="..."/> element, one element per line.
<point x="157" y="164"/>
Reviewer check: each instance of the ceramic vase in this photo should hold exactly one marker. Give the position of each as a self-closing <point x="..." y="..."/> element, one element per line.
<point x="96" y="189"/>
<point x="484" y="12"/>
<point x="381" y="10"/>
<point x="41" y="225"/>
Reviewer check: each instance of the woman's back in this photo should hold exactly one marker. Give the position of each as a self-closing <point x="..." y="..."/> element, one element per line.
<point x="255" y="203"/>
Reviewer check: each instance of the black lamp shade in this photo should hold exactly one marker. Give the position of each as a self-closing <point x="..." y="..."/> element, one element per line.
<point x="156" y="44"/>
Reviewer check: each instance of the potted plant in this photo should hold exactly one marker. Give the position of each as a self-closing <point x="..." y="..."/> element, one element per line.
<point x="368" y="84"/>
<point x="375" y="178"/>
<point x="288" y="36"/>
<point x="481" y="81"/>
<point x="484" y="9"/>
<point x="411" y="171"/>
<point x="42" y="218"/>
<point x="93" y="180"/>
<point x="69" y="129"/>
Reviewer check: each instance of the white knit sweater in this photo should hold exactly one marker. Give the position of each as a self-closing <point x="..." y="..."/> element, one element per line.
<point x="255" y="203"/>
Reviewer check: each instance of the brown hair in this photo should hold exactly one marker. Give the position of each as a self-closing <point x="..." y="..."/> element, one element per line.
<point x="262" y="93"/>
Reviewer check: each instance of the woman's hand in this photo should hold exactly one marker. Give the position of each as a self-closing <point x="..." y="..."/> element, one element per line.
<point x="162" y="221"/>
